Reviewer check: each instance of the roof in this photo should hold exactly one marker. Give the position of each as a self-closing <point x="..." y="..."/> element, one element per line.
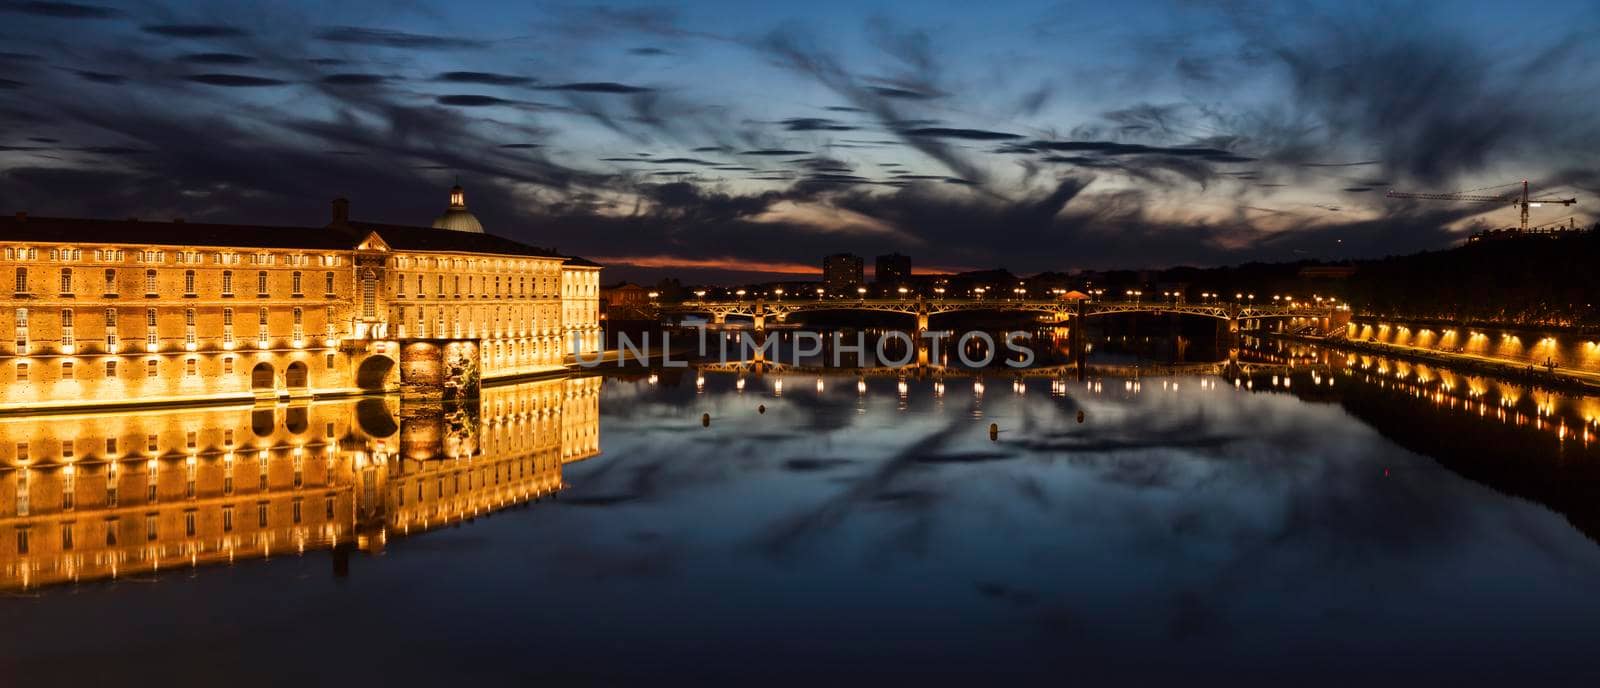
<point x="137" y="232"/>
<point x="582" y="262"/>
<point x="407" y="238"/>
<point x="204" y="234"/>
<point x="459" y="220"/>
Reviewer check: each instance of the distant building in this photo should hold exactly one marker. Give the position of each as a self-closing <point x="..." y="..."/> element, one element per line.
<point x="625" y="301"/>
<point x="842" y="273"/>
<point x="1333" y="272"/>
<point x="892" y="270"/>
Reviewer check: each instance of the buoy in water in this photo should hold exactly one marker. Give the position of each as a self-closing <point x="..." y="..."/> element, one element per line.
<point x="705" y="420"/>
<point x="994" y="431"/>
<point x="761" y="409"/>
<point x="1080" y="415"/>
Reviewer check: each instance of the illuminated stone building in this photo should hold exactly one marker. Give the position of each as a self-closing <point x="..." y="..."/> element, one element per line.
<point x="103" y="495"/>
<point x="111" y="311"/>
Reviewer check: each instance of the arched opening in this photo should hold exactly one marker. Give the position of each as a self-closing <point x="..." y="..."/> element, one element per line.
<point x="263" y="377"/>
<point x="262" y="422"/>
<point x="295" y="376"/>
<point x="296" y="419"/>
<point x="373" y="374"/>
<point x="374" y="418"/>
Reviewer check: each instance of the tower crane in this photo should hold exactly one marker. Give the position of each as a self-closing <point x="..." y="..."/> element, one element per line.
<point x="1522" y="201"/>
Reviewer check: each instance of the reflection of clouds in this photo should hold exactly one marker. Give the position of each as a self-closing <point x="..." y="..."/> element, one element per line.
<point x="1200" y="509"/>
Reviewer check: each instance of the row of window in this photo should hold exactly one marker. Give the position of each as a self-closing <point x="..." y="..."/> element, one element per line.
<point x="69" y="326"/>
<point x="68" y="284"/>
<point x="191" y="368"/>
<point x="117" y="255"/>
<point x="478" y="285"/>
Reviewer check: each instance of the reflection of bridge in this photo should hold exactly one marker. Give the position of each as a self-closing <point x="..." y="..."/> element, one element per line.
<point x="1091" y="370"/>
<point x="1327" y="317"/>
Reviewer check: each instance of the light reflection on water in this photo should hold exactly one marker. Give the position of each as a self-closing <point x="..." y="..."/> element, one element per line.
<point x="1266" y="520"/>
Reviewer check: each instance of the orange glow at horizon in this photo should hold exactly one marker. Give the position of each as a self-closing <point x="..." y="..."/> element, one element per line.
<point x="739" y="265"/>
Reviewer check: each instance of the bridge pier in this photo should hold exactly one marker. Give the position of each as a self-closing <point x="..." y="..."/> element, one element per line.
<point x="922" y="321"/>
<point x="719" y="318"/>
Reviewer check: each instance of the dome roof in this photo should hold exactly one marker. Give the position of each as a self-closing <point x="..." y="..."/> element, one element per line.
<point x="457" y="217"/>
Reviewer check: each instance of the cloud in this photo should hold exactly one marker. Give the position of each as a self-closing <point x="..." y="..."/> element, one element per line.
<point x="241" y="80"/>
<point x="967" y="134"/>
<point x="99" y="77"/>
<point x="815" y="124"/>
<point x="486" y="78"/>
<point x="61" y="10"/>
<point x="194" y="30"/>
<point x="901" y="93"/>
<point x="216" y="58"/>
<point x="598" y="87"/>
<point x="354" y="79"/>
<point x="774" y="152"/>
<point x="647" y="51"/>
<point x="473" y="101"/>
<point x="384" y="38"/>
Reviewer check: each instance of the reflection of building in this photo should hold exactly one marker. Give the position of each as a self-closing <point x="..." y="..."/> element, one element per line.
<point x="892" y="270"/>
<point x="104" y="495"/>
<point x="841" y="273"/>
<point x="107" y="311"/>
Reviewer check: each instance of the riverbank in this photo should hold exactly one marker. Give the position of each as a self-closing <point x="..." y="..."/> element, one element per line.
<point x="1518" y="371"/>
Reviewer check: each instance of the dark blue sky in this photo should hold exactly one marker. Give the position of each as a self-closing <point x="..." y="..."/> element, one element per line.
<point x="704" y="138"/>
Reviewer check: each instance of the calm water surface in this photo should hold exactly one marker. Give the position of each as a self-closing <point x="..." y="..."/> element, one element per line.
<point x="1345" y="518"/>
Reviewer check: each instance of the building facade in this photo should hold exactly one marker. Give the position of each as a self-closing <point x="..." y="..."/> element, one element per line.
<point x="105" y="312"/>
<point x="842" y="273"/>
<point x="892" y="270"/>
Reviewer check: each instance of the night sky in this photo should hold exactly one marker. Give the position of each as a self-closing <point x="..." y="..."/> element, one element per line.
<point x="716" y="140"/>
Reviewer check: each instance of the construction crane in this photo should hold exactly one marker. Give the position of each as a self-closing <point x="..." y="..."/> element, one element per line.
<point x="1522" y="201"/>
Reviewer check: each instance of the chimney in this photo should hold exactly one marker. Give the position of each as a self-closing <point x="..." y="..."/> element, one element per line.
<point x="22" y="216"/>
<point x="341" y="212"/>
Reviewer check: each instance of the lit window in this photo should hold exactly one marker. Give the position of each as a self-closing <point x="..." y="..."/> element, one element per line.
<point x="188" y="283"/>
<point x="261" y="283"/>
<point x="294" y="283"/>
<point x="227" y="283"/>
<point x="151" y="368"/>
<point x="66" y="281"/>
<point x="67" y="328"/>
<point x="111" y="369"/>
<point x="22" y="281"/>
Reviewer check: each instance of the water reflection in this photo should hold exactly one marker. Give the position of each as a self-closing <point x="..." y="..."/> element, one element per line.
<point x="96" y="496"/>
<point x="1238" y="515"/>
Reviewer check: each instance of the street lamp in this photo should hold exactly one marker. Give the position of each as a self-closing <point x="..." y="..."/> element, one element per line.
<point x="903" y="291"/>
<point x="740" y="293"/>
<point x="939" y="291"/>
<point x="700" y="294"/>
<point x="979" y="291"/>
<point x="820" y="292"/>
<point x="861" y="292"/>
<point x="779" y="293"/>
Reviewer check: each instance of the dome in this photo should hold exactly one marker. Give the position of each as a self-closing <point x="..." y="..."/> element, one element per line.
<point x="457" y="217"/>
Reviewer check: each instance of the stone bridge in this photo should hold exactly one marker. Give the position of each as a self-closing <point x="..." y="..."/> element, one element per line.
<point x="1327" y="319"/>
